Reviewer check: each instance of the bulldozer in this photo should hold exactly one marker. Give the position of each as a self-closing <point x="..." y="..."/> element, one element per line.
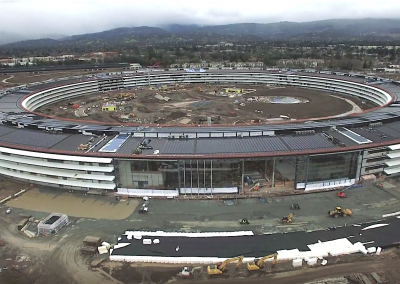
<point x="257" y="264"/>
<point x="219" y="269"/>
<point x="83" y="147"/>
<point x="287" y="219"/>
<point x="338" y="211"/>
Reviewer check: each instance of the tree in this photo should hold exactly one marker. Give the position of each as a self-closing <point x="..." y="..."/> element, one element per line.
<point x="365" y="65"/>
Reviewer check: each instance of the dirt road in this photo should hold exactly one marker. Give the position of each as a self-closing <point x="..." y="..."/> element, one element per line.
<point x="53" y="260"/>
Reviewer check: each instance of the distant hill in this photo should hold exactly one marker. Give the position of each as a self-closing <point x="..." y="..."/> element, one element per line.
<point x="344" y="28"/>
<point x="121" y="33"/>
<point x="9" y="37"/>
<point x="317" y="30"/>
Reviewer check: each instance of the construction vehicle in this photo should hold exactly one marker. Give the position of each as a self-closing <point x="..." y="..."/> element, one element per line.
<point x="338" y="211"/>
<point x="219" y="268"/>
<point x="295" y="206"/>
<point x="287" y="219"/>
<point x="256" y="187"/>
<point x="144" y="209"/>
<point x="244" y="221"/>
<point x="199" y="89"/>
<point x="190" y="273"/>
<point x="257" y="264"/>
<point x="83" y="147"/>
<point x="341" y="194"/>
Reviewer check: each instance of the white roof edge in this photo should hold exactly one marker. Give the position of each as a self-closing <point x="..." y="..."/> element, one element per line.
<point x="48" y="180"/>
<point x="41" y="163"/>
<point x="56" y="156"/>
<point x="394" y="170"/>
<point x="394" y="147"/>
<point x="58" y="172"/>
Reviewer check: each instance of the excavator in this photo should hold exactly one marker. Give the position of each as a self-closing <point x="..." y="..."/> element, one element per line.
<point x="338" y="211"/>
<point x="288" y="219"/>
<point x="257" y="264"/>
<point x="219" y="269"/>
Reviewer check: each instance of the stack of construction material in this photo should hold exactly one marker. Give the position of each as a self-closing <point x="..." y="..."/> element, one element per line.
<point x="22" y="223"/>
<point x="92" y="241"/>
<point x="368" y="179"/>
<point x="90" y="245"/>
<point x="104" y="248"/>
<point x="297" y="262"/>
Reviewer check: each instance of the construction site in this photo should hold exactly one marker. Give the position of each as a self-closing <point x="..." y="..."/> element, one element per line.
<point x="268" y="232"/>
<point x="205" y="105"/>
<point x="80" y="251"/>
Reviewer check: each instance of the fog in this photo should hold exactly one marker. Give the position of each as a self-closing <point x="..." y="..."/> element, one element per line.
<point x="45" y="17"/>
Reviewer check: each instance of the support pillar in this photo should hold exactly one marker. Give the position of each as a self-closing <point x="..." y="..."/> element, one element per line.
<point x="273" y="173"/>
<point x="242" y="176"/>
<point x="265" y="169"/>
<point x="359" y="164"/>
<point x="191" y="178"/>
<point x="211" y="177"/>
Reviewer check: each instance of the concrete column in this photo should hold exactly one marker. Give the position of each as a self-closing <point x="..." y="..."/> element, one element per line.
<point x="125" y="174"/>
<point x="191" y="178"/>
<point x="211" y="177"/>
<point x="184" y="174"/>
<point x="198" y="178"/>
<point x="273" y="173"/>
<point x="359" y="164"/>
<point x="265" y="169"/>
<point x="204" y="173"/>
<point x="242" y="176"/>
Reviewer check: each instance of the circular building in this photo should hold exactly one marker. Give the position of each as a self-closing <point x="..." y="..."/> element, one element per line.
<point x="155" y="159"/>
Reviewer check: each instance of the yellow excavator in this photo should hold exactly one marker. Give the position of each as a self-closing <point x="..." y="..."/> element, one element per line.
<point x="219" y="269"/>
<point x="339" y="212"/>
<point x="257" y="264"/>
<point x="287" y="219"/>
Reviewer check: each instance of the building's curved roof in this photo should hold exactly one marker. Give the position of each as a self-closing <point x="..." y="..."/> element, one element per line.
<point x="351" y="132"/>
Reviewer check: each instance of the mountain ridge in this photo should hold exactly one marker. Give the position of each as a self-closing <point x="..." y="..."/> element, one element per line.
<point x="322" y="30"/>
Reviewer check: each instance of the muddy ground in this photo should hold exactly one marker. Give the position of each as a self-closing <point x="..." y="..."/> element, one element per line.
<point x="193" y="104"/>
<point x="57" y="258"/>
<point x="283" y="272"/>
<point x="8" y="187"/>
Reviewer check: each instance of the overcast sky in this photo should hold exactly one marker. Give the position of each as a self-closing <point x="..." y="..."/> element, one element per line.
<point x="68" y="17"/>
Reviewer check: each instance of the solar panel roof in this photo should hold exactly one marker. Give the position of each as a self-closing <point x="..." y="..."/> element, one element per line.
<point x="113" y="145"/>
<point x="353" y="136"/>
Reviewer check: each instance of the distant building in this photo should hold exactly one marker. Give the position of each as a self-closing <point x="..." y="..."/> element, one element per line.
<point x="135" y="66"/>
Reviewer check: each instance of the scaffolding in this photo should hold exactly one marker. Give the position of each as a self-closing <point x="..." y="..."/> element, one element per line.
<point x="52" y="224"/>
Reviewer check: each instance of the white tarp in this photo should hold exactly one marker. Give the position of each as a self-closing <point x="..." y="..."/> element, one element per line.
<point x="210" y="191"/>
<point x="147" y="192"/>
<point x="102" y="249"/>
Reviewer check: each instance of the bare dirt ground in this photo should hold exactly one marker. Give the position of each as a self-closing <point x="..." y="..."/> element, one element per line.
<point x="193" y="104"/>
<point x="283" y="273"/>
<point x="57" y="259"/>
<point x="83" y="205"/>
<point x="8" y="187"/>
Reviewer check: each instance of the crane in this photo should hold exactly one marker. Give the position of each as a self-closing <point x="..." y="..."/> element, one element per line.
<point x="219" y="268"/>
<point x="257" y="263"/>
